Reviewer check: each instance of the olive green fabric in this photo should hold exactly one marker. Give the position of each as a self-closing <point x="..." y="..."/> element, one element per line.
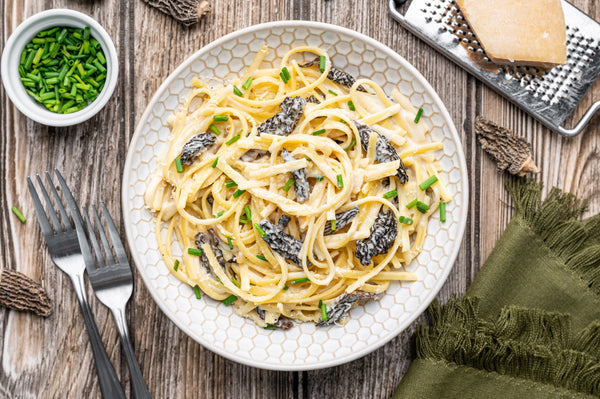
<point x="529" y="326"/>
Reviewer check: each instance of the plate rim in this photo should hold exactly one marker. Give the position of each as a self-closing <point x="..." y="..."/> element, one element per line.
<point x="461" y="222"/>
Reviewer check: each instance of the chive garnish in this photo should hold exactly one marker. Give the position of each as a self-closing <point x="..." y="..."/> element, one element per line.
<point x="286" y="73"/>
<point x="419" y="113"/>
<point x="260" y="230"/>
<point x="422" y="207"/>
<point x="351" y="106"/>
<point x="195" y="251"/>
<point x="282" y="76"/>
<point x="286" y="287"/>
<point x="427" y="183"/>
<point x="229" y="300"/>
<point x="351" y="145"/>
<point x="320" y="178"/>
<point x="333" y="92"/>
<point x="271" y="327"/>
<point x="219" y="214"/>
<point x="405" y="220"/>
<point x="237" y="193"/>
<point x="18" y="213"/>
<point x="301" y="281"/>
<point x="235" y="281"/>
<point x="318" y="132"/>
<point x="322" y="61"/>
<point x="229" y="242"/>
<point x="248" y="212"/>
<point x="248" y="83"/>
<point x="197" y="291"/>
<point x="390" y="194"/>
<point x="178" y="165"/>
<point x="230" y="184"/>
<point x="215" y="162"/>
<point x="412" y="203"/>
<point x="332" y="225"/>
<point x="214" y="129"/>
<point x="323" y="310"/>
<point x="234" y="139"/>
<point x="176" y="265"/>
<point x="288" y="185"/>
<point x="244" y="221"/>
<point x="220" y="118"/>
<point x="237" y="91"/>
<point x="340" y="182"/>
<point x="442" y="211"/>
<point x="261" y="257"/>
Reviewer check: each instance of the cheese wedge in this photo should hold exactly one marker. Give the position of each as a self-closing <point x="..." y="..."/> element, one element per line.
<point x="519" y="32"/>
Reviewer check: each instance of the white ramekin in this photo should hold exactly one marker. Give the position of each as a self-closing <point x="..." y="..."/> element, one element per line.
<point x="11" y="57"/>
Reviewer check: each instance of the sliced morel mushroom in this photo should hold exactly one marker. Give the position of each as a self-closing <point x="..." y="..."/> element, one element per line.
<point x="384" y="151"/>
<point x="338" y="309"/>
<point x="282" y="322"/>
<point x="209" y="238"/>
<point x="252" y="155"/>
<point x="341" y="220"/>
<point x="312" y="99"/>
<point x="335" y="74"/>
<point x="280" y="242"/>
<point x="301" y="186"/>
<point x="383" y="235"/>
<point x="284" y="122"/>
<point x="195" y="146"/>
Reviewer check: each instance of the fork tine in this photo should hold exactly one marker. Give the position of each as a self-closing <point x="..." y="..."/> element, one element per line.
<point x="114" y="235"/>
<point x="92" y="236"/>
<point x="39" y="210"/>
<point x="51" y="210"/>
<point x="59" y="203"/>
<point x="109" y="256"/>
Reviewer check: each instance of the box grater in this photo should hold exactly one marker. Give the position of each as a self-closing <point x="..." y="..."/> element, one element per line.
<point x="549" y="95"/>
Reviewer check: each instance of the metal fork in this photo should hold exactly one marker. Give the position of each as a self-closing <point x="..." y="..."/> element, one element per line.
<point x="112" y="281"/>
<point x="65" y="245"/>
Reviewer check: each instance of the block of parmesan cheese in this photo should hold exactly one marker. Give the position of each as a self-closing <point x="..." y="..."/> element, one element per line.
<point x="519" y="32"/>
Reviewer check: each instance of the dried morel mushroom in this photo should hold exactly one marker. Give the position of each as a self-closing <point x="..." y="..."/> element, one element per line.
<point x="188" y="12"/>
<point x="19" y="292"/>
<point x="510" y="151"/>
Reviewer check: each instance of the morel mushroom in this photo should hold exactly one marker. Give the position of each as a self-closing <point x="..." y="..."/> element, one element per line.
<point x="19" y="292"/>
<point x="188" y="12"/>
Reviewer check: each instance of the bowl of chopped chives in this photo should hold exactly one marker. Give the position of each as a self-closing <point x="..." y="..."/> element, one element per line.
<point x="59" y="67"/>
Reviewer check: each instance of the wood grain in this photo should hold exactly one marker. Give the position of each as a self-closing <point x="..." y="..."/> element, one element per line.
<point x="50" y="358"/>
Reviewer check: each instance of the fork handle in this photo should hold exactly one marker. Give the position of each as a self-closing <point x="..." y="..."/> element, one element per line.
<point x="138" y="385"/>
<point x="110" y="386"/>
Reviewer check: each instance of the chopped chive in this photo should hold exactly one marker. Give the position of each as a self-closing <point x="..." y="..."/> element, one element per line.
<point x="320" y="178"/>
<point x="101" y="58"/>
<point x="322" y="61"/>
<point x="419" y="113"/>
<point x="220" y="118"/>
<point x="197" y="291"/>
<point x="248" y="212"/>
<point x="286" y="73"/>
<point x="282" y="76"/>
<point x="233" y="139"/>
<point x="176" y="265"/>
<point x="351" y="145"/>
<point x="422" y="207"/>
<point x="178" y="165"/>
<point x="333" y="92"/>
<point x="229" y="242"/>
<point x="229" y="300"/>
<point x="215" y="162"/>
<point x="244" y="221"/>
<point x="260" y="230"/>
<point x="270" y="327"/>
<point x="301" y="281"/>
<point x="405" y="220"/>
<point x="286" y="287"/>
<point x="288" y="185"/>
<point x="261" y="257"/>
<point x="230" y="184"/>
<point x="351" y="106"/>
<point x="427" y="183"/>
<point x="237" y="91"/>
<point x="390" y="194"/>
<point x="442" y="211"/>
<point x="412" y="203"/>
<point x="332" y="225"/>
<point x="340" y="182"/>
<point x="237" y="193"/>
<point x="248" y="83"/>
<point x="18" y="213"/>
<point x="318" y="132"/>
<point x="214" y="129"/>
<point x="195" y="251"/>
<point x="218" y="214"/>
<point x="323" y="310"/>
<point x="235" y="281"/>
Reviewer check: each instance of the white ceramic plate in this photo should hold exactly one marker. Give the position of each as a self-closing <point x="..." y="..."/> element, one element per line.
<point x="303" y="347"/>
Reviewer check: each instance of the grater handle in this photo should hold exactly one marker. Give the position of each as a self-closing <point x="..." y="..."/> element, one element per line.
<point x="585" y="120"/>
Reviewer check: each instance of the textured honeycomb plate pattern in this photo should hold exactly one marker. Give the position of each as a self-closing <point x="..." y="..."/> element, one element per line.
<point x="303" y="347"/>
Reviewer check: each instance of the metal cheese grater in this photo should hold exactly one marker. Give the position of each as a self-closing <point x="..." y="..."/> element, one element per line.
<point x="550" y="96"/>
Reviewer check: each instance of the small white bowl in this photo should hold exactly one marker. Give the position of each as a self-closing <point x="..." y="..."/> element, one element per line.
<point x="11" y="57"/>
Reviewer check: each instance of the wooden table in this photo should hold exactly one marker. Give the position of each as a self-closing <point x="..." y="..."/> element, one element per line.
<point x="51" y="358"/>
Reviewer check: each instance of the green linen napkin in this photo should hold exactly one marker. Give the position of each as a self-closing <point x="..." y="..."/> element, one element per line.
<point x="529" y="325"/>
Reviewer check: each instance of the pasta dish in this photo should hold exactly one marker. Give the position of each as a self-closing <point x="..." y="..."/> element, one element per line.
<point x="295" y="192"/>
